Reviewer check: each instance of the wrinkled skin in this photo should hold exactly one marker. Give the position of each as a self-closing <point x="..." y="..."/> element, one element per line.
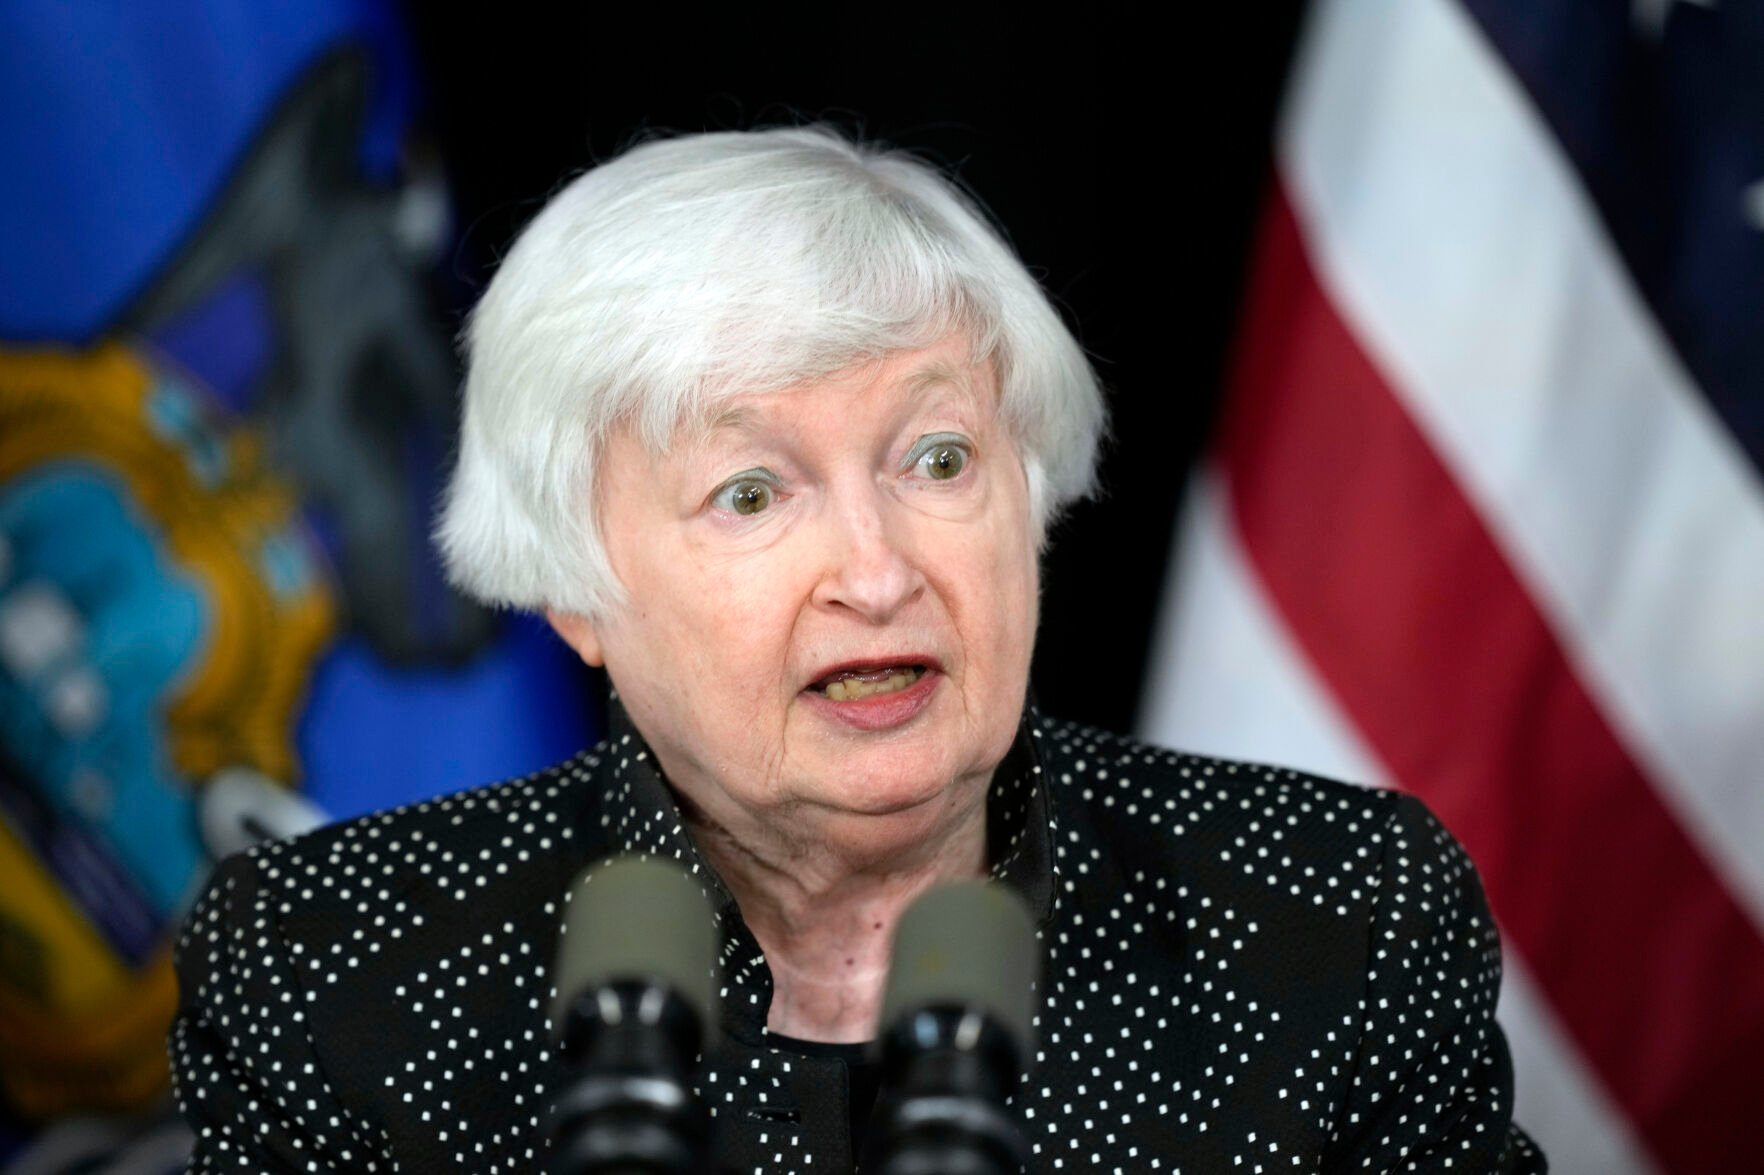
<point x="822" y="831"/>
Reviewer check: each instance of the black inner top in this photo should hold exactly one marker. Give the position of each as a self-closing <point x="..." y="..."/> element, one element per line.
<point x="862" y="1076"/>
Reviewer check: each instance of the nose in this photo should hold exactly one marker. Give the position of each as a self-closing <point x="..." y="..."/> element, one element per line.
<point x="869" y="568"/>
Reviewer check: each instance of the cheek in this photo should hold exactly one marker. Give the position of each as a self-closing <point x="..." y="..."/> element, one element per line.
<point x="699" y="670"/>
<point x="998" y="594"/>
<point x="1020" y="618"/>
<point x="715" y="633"/>
<point x="1020" y="567"/>
<point x="722" y="623"/>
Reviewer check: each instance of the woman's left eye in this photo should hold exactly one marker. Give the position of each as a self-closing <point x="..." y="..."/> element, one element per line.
<point x="747" y="495"/>
<point x="942" y="458"/>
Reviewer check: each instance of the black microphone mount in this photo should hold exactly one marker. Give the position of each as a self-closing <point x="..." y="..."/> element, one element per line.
<point x="631" y="1047"/>
<point x="636" y="977"/>
<point x="957" y="1028"/>
<point x="948" y="1070"/>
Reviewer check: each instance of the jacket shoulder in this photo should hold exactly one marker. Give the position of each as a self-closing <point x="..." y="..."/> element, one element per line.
<point x="1122" y="778"/>
<point x="1301" y="851"/>
<point x="524" y="812"/>
<point x="1342" y="905"/>
<point x="344" y="954"/>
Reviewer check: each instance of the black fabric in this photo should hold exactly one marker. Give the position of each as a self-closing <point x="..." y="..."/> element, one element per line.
<point x="863" y="1074"/>
<point x="1247" y="969"/>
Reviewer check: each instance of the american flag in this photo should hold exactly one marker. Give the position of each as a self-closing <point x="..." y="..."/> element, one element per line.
<point x="1484" y="519"/>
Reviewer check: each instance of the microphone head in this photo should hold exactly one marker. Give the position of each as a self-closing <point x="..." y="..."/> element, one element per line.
<point x="969" y="943"/>
<point x="637" y="919"/>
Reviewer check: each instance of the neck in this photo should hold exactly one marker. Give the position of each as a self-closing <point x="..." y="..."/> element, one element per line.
<point x="825" y="914"/>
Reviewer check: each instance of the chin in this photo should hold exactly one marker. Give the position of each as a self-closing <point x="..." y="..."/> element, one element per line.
<point x="884" y="792"/>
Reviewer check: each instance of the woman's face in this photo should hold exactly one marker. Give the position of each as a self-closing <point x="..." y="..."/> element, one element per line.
<point x="876" y="524"/>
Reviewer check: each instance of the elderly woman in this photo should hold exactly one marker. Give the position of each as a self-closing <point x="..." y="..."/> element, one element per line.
<point x="773" y="426"/>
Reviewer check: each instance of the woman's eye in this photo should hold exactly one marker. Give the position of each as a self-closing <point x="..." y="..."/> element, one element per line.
<point x="747" y="496"/>
<point x="943" y="460"/>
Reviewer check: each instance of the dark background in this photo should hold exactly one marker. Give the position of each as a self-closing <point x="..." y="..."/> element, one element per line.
<point x="1125" y="163"/>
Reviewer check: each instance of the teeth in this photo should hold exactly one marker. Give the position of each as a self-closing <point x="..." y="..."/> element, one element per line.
<point x="851" y="689"/>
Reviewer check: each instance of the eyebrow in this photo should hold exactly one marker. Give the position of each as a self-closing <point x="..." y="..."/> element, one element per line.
<point x="733" y="418"/>
<point x="937" y="372"/>
<point x="736" y="418"/>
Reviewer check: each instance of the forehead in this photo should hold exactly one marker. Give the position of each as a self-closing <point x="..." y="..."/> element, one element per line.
<point x="921" y="378"/>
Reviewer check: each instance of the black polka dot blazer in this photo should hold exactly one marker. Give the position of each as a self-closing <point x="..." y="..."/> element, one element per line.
<point x="1248" y="970"/>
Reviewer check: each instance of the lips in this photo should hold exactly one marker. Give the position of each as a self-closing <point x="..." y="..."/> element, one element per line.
<point x="870" y="675"/>
<point x="874" y="696"/>
<point x="866" y="685"/>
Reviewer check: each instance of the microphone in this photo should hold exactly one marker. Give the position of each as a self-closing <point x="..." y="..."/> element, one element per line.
<point x="956" y="1030"/>
<point x="637" y="982"/>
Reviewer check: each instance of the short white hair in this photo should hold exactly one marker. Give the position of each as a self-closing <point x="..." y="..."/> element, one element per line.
<point x="690" y="269"/>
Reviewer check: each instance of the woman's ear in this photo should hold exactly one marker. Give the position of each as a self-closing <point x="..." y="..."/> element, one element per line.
<point x="577" y="632"/>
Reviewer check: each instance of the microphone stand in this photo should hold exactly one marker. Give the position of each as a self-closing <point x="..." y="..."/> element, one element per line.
<point x="946" y="1072"/>
<point x="628" y="1108"/>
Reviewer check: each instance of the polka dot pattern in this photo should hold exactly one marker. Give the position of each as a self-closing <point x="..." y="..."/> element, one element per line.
<point x="1248" y="969"/>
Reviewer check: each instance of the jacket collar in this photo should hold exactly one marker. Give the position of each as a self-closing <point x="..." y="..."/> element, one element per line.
<point x="643" y="816"/>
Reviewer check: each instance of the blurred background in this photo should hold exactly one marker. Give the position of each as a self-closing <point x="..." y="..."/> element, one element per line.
<point x="1433" y="344"/>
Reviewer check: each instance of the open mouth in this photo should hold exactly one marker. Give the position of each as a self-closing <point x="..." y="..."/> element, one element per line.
<point x="849" y="685"/>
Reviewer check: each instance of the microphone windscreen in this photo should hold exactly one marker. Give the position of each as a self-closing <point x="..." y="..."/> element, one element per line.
<point x="967" y="943"/>
<point x="641" y="920"/>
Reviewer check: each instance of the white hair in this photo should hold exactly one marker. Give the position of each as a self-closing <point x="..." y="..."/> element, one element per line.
<point x="691" y="269"/>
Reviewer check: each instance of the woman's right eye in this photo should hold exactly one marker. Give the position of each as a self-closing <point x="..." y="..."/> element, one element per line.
<point x="745" y="495"/>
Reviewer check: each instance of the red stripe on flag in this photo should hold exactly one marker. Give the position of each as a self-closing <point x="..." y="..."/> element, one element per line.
<point x="1401" y="598"/>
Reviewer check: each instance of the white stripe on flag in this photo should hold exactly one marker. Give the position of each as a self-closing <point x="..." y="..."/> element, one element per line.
<point x="1455" y="238"/>
<point x="1227" y="680"/>
<point x="1579" y="1129"/>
